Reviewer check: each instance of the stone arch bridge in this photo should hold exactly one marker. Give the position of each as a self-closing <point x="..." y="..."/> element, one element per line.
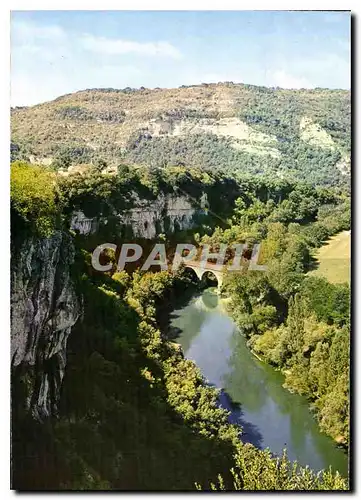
<point x="200" y="270"/>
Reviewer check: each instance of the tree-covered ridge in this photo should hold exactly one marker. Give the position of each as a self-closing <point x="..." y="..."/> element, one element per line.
<point x="295" y="134"/>
<point x="297" y="160"/>
<point x="283" y="114"/>
<point x="38" y="192"/>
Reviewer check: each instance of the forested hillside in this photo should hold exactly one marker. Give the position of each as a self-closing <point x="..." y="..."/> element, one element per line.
<point x="234" y="128"/>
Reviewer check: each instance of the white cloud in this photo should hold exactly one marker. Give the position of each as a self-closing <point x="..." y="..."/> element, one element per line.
<point x="32" y="43"/>
<point x="26" y="91"/>
<point x="285" y="80"/>
<point x="33" y="37"/>
<point x="47" y="61"/>
<point x="25" y="32"/>
<point x="335" y="17"/>
<point x="112" y="46"/>
<point x="329" y="67"/>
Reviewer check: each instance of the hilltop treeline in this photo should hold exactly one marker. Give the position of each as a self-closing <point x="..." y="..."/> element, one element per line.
<point x="138" y="126"/>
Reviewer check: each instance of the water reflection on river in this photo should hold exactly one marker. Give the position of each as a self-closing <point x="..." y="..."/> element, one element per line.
<point x="269" y="414"/>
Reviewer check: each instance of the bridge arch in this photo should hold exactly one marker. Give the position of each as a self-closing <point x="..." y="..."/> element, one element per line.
<point x="202" y="274"/>
<point x="192" y="274"/>
<point x="210" y="277"/>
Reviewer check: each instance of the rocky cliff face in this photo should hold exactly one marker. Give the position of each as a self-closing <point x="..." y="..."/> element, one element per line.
<point x="166" y="214"/>
<point x="44" y="307"/>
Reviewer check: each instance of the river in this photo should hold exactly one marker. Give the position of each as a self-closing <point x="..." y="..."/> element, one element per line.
<point x="270" y="415"/>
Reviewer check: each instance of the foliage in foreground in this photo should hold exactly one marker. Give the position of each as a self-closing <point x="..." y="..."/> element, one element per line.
<point x="34" y="197"/>
<point x="258" y="470"/>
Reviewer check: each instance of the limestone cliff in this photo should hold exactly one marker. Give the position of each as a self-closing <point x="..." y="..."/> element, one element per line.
<point x="44" y="307"/>
<point x="166" y="214"/>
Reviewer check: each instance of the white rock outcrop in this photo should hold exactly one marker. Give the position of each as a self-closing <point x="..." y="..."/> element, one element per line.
<point x="167" y="214"/>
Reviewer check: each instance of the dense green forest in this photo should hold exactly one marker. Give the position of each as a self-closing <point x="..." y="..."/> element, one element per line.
<point x="298" y="160"/>
<point x="134" y="414"/>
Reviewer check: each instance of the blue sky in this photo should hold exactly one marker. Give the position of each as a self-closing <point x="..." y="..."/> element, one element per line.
<point x="57" y="52"/>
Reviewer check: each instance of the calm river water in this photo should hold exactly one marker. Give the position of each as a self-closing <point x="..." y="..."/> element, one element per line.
<point x="269" y="414"/>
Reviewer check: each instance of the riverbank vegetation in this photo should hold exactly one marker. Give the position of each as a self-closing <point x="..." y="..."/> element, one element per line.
<point x="298" y="323"/>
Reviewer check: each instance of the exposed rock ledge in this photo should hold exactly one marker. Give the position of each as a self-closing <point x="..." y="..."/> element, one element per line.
<point x="147" y="218"/>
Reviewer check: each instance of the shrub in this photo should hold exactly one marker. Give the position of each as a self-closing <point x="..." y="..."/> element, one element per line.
<point x="34" y="196"/>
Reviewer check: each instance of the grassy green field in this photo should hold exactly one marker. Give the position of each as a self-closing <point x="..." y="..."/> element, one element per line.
<point x="334" y="259"/>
